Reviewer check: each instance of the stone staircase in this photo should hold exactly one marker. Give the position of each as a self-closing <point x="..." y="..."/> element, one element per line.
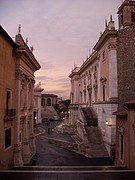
<point x="90" y="116"/>
<point x="96" y="147"/>
<point x="66" y="173"/>
<point x="68" y="168"/>
<point x="49" y="112"/>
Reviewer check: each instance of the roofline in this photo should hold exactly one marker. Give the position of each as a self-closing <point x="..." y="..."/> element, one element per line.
<point x="7" y="37"/>
<point x="130" y="2"/>
<point x="48" y="95"/>
<point x="89" y="60"/>
<point x="104" y="37"/>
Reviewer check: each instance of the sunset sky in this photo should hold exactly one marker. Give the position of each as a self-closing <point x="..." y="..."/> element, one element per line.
<point x="61" y="31"/>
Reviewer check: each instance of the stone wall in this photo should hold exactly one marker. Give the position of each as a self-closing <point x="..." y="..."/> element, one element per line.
<point x="126" y="64"/>
<point x="107" y="123"/>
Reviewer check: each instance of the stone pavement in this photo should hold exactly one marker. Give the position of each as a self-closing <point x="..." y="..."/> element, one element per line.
<point x="67" y="139"/>
<point x="57" y="163"/>
<point x="59" y="148"/>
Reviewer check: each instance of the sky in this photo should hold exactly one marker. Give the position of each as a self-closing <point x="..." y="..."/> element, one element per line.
<point x="62" y="33"/>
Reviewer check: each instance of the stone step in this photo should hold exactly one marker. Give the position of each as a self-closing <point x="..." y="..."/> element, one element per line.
<point x="76" y="139"/>
<point x="94" y="135"/>
<point x="67" y="175"/>
<point x="90" y="116"/>
<point x="68" y="168"/>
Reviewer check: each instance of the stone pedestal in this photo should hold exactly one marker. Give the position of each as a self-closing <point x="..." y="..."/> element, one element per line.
<point x="32" y="144"/>
<point x="26" y="151"/>
<point x="17" y="155"/>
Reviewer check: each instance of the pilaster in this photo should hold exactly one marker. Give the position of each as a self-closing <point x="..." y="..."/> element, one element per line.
<point x="17" y="146"/>
<point x="113" y="86"/>
<point x="17" y="155"/>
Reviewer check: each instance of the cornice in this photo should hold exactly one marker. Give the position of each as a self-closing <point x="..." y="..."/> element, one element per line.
<point x="104" y="37"/>
<point x="89" y="60"/>
<point x="28" y="58"/>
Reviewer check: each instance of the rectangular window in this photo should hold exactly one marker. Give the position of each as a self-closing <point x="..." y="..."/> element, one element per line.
<point x="122" y="19"/>
<point x="7" y="138"/>
<point x="103" y="92"/>
<point x="134" y="142"/>
<point x="134" y="119"/>
<point x="8" y="94"/>
<point x="103" y="55"/>
<point x="133" y="17"/>
<point x="20" y="137"/>
<point x="134" y="136"/>
<point x="121" y="142"/>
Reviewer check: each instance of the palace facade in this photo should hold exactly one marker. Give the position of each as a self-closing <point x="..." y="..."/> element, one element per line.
<point x="105" y="81"/>
<point x="18" y="65"/>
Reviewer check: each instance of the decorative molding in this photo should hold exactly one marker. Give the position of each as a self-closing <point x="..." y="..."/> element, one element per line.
<point x="103" y="80"/>
<point x="95" y="86"/>
<point x="121" y="130"/>
<point x="112" y="45"/>
<point x="18" y="74"/>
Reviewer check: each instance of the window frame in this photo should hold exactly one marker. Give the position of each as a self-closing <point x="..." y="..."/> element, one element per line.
<point x="104" y="92"/>
<point x="121" y="147"/>
<point x="103" y="55"/>
<point x="134" y="136"/>
<point x="133" y="17"/>
<point x="7" y="145"/>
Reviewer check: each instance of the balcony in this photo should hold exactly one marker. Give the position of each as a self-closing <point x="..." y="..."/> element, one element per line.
<point x="9" y="114"/>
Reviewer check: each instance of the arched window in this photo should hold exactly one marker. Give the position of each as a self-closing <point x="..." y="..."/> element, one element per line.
<point x="49" y="102"/>
<point x="42" y="102"/>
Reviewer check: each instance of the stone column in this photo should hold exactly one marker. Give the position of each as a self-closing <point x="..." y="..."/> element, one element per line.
<point x="26" y="147"/>
<point x="32" y="137"/>
<point x="99" y="76"/>
<point x="31" y="120"/>
<point x="39" y="109"/>
<point x="76" y="90"/>
<point x="17" y="160"/>
<point x="93" y="93"/>
<point x="113" y="87"/>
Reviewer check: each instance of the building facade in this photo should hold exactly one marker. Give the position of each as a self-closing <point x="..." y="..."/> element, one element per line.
<point x="26" y="65"/>
<point x="105" y="81"/>
<point x="125" y="131"/>
<point x="49" y="100"/>
<point x="49" y="104"/>
<point x="95" y="84"/>
<point x="7" y="99"/>
<point x="126" y="52"/>
<point x="125" y="136"/>
<point x="18" y="65"/>
<point x="37" y="104"/>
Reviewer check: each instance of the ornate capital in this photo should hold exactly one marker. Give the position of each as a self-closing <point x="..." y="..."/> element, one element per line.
<point x="89" y="87"/>
<point x="103" y="80"/>
<point x="17" y="147"/>
<point x="18" y="74"/>
<point x="112" y="45"/>
<point x="33" y="81"/>
<point x="95" y="86"/>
